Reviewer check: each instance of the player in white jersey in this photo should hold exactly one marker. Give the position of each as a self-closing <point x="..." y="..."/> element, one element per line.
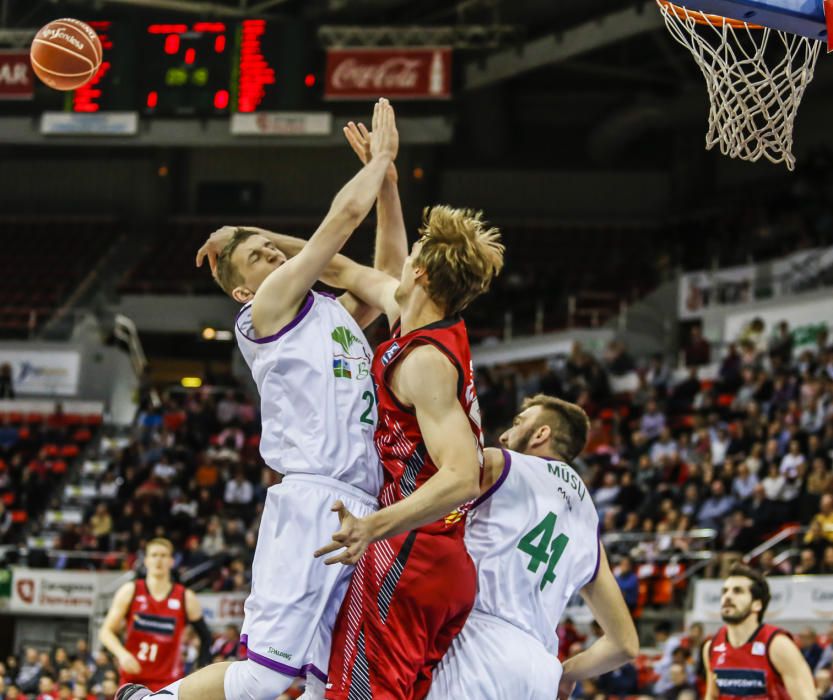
<point x="311" y="364"/>
<point x="534" y="537"/>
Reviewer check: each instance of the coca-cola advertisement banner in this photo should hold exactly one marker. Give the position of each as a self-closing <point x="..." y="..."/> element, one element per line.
<point x="16" y="78"/>
<point x="422" y="73"/>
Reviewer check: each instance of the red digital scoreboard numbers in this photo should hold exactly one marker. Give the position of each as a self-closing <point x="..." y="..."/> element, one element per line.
<point x="255" y="74"/>
<point x="88" y="98"/>
<point x="186" y="69"/>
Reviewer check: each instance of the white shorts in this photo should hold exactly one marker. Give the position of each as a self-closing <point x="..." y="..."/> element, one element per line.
<point x="492" y="659"/>
<point x="290" y="613"/>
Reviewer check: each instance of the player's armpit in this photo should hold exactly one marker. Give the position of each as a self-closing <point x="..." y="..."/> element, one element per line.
<point x="364" y="314"/>
<point x="494" y="462"/>
<point x="791" y="665"/>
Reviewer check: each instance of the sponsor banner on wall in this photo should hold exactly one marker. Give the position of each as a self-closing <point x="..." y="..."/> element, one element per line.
<point x="706" y="289"/>
<point x="99" y="124"/>
<point x="222" y="608"/>
<point x="793" y="598"/>
<point x="47" y="372"/>
<point x="66" y="593"/>
<point x="422" y="73"/>
<point x="16" y="78"/>
<point x="282" y="124"/>
<point x="806" y="320"/>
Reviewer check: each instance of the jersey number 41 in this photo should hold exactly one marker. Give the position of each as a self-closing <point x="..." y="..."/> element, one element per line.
<point x="543" y="548"/>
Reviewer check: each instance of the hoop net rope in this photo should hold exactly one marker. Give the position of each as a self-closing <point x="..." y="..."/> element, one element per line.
<point x="755" y="77"/>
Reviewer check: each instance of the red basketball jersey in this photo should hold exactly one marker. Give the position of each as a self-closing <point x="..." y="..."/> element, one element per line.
<point x="154" y="635"/>
<point x="405" y="459"/>
<point x="746" y="671"/>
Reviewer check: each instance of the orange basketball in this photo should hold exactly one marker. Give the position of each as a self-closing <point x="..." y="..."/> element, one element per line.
<point x="65" y="54"/>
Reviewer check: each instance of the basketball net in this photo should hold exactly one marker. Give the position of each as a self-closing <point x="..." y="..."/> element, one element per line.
<point x="755" y="77"/>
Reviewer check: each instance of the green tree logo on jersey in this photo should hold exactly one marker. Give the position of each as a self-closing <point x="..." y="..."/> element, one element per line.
<point x="344" y="337"/>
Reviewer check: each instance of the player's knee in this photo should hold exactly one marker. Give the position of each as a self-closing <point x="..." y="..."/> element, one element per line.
<point x="247" y="680"/>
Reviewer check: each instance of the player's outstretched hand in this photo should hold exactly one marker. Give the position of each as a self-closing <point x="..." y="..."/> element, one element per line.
<point x="384" y="139"/>
<point x="129" y="663"/>
<point x="358" y="137"/>
<point x="212" y="248"/>
<point x="353" y="538"/>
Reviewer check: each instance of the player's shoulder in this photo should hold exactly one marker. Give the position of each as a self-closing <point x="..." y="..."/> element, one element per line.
<point x="426" y="363"/>
<point x="125" y="593"/>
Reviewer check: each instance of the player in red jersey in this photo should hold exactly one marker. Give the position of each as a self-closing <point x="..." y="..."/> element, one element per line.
<point x="415" y="583"/>
<point x="156" y="611"/>
<point x="747" y="658"/>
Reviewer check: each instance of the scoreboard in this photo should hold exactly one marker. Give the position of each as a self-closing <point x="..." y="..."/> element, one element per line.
<point x="202" y="68"/>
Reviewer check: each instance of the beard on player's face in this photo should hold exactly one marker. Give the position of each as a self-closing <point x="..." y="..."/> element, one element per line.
<point x="517" y="438"/>
<point x="733" y="614"/>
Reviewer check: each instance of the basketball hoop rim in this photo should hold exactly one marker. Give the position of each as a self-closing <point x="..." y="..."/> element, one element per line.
<point x="683" y="13"/>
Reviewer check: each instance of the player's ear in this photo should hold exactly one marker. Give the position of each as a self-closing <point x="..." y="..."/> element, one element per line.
<point x="542" y="435"/>
<point x="242" y="295"/>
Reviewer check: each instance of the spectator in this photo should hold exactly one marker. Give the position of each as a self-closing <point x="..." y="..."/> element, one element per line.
<point x="774" y="483"/>
<point x="227" y="408"/>
<point x="213" y="542"/>
<point x="781" y="343"/>
<point x="664" y="448"/>
<point x="792" y="461"/>
<point x="46" y="688"/>
<point x="225" y="646"/>
<point x="6" y="383"/>
<point x="824" y="517"/>
<point x="744" y="483"/>
<point x="101" y="524"/>
<point x="239" y="491"/>
<point x="716" y="507"/>
<point x="617" y="359"/>
<point x="652" y="421"/>
<point x="827" y="561"/>
<point x="810" y="647"/>
<point x="30" y="671"/>
<point x="697" y="351"/>
<point x="678" y="683"/>
<point x="807" y="563"/>
<point x="824" y="686"/>
<point x="619" y="682"/>
<point x="628" y="583"/>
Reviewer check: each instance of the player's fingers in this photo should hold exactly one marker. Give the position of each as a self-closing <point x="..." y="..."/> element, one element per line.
<point x="200" y="256"/>
<point x="328" y="549"/>
<point x="364" y="132"/>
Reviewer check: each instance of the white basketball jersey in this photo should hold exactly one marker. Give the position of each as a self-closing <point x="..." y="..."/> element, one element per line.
<point x="317" y="403"/>
<point x="534" y="538"/>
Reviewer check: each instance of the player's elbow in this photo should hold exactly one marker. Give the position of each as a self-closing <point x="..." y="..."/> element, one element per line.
<point x="629" y="645"/>
<point x="466" y="486"/>
<point x="351" y="211"/>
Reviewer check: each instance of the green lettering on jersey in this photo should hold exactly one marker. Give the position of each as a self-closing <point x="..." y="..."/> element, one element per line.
<point x="543" y="548"/>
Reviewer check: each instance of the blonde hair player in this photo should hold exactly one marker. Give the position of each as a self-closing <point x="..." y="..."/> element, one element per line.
<point x="534" y="538"/>
<point x="311" y="364"/>
<point x="156" y="611"/>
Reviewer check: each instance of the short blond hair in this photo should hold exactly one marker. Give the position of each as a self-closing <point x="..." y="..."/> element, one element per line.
<point x="567" y="421"/>
<point x="227" y="274"/>
<point x="460" y="253"/>
<point x="162" y="542"/>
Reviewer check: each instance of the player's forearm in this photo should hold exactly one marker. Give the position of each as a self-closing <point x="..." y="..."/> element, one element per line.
<point x="435" y="499"/>
<point x="357" y="197"/>
<point x="391" y="237"/>
<point x="603" y="655"/>
<point x="111" y="642"/>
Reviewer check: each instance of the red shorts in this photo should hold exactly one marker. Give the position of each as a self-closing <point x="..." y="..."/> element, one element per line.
<point x="408" y="598"/>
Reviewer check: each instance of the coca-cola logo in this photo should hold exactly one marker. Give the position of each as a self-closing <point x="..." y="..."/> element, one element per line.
<point x="58" y="33"/>
<point x="397" y="73"/>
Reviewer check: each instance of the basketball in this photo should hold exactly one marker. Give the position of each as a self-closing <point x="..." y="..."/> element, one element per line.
<point x="65" y="54"/>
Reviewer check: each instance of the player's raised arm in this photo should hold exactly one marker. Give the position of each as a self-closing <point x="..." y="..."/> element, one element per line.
<point x="372" y="287"/>
<point x="108" y="634"/>
<point x="792" y="667"/>
<point x="427" y="381"/>
<point x="278" y="298"/>
<point x="391" y="235"/>
<point x="619" y="644"/>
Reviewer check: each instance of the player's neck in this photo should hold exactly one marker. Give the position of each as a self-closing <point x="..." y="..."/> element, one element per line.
<point x="739" y="634"/>
<point x="158" y="583"/>
<point x="419" y="311"/>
